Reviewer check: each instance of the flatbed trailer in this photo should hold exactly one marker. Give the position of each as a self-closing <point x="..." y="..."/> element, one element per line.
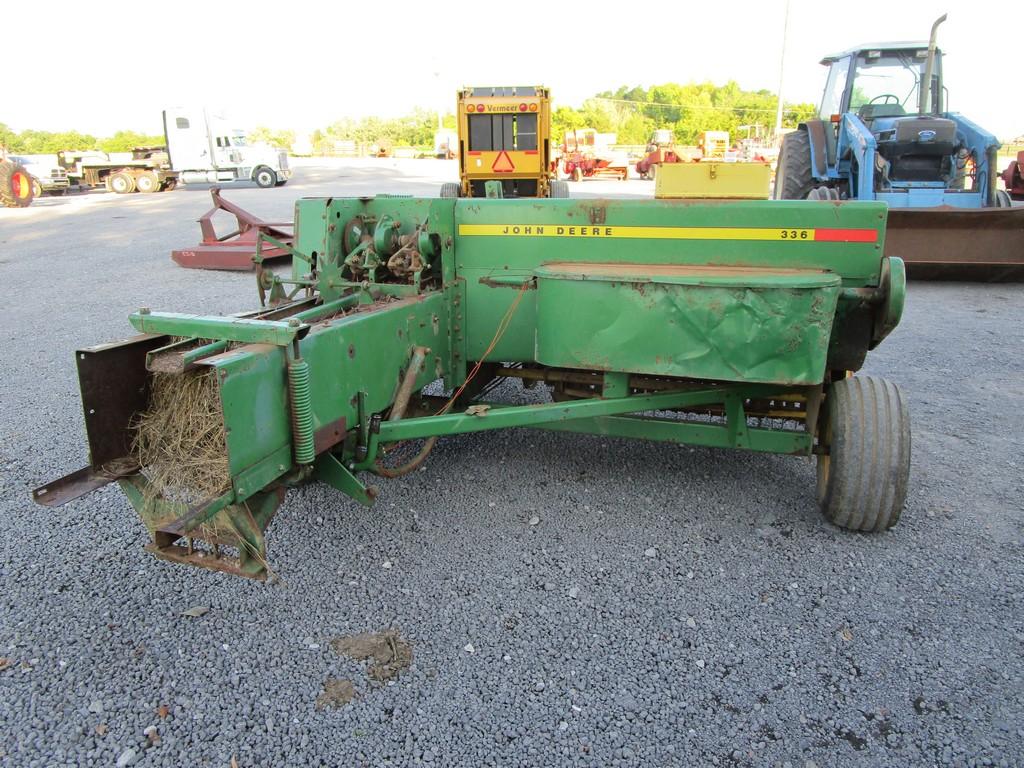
<point x="144" y="169"/>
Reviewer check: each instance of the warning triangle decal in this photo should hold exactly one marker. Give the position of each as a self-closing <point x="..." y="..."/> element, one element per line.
<point x="503" y="163"/>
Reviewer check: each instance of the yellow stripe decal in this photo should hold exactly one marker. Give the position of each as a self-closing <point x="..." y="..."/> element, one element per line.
<point x="652" y="233"/>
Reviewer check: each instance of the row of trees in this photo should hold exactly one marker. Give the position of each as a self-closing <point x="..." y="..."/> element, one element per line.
<point x="632" y="113"/>
<point x="33" y="142"/>
<point x="413" y="130"/>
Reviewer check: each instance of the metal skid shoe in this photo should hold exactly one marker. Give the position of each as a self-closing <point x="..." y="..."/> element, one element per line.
<point x="230" y="540"/>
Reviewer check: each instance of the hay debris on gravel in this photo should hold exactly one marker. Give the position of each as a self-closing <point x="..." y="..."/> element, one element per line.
<point x="180" y="441"/>
<point x="388" y="653"/>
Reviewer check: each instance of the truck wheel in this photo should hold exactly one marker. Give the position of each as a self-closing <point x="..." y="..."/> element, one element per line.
<point x="122" y="183"/>
<point x="577" y="173"/>
<point x="15" y="186"/>
<point x="147" y="182"/>
<point x="862" y="481"/>
<point x="560" y="189"/>
<point x="264" y="177"/>
<point x="793" y="174"/>
<point x="450" y="189"/>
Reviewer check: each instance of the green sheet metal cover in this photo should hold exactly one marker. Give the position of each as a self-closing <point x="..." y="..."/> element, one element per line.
<point x="721" y="323"/>
<point x="500" y="240"/>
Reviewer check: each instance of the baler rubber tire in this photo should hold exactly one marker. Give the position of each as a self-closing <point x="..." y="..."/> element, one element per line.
<point x="559" y="189"/>
<point x="450" y="190"/>
<point x="793" y="179"/>
<point x="264" y="177"/>
<point x="862" y="482"/>
<point x="9" y="197"/>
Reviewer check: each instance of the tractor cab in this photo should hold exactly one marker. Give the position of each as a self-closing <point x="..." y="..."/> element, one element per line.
<point x="881" y="90"/>
<point x="884" y="132"/>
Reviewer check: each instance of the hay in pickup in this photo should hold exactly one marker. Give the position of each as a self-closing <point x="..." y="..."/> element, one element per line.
<point x="180" y="441"/>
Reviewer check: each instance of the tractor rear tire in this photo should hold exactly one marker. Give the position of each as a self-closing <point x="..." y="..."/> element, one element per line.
<point x="824" y="194"/>
<point x="122" y="183"/>
<point x="793" y="179"/>
<point x="559" y="189"/>
<point x="15" y="186"/>
<point x="147" y="182"/>
<point x="862" y="481"/>
<point x="264" y="177"/>
<point x="450" y="190"/>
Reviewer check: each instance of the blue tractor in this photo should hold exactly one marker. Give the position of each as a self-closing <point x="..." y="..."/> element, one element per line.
<point x="882" y="134"/>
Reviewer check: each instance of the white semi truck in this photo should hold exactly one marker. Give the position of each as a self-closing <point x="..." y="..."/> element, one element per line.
<point x="201" y="147"/>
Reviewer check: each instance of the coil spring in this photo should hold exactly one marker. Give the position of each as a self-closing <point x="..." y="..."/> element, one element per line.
<point x="302" y="411"/>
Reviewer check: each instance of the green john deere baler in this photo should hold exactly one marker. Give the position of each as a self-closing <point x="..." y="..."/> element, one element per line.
<point x="733" y="325"/>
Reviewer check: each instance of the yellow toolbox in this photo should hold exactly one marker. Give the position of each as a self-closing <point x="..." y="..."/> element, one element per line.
<point x="729" y="181"/>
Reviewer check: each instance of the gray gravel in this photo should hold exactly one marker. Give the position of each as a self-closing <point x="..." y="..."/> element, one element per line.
<point x="569" y="600"/>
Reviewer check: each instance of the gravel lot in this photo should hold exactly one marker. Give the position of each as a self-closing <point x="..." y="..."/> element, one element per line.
<point x="756" y="635"/>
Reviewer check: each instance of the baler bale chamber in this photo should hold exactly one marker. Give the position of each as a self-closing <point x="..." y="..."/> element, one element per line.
<point x="732" y="325"/>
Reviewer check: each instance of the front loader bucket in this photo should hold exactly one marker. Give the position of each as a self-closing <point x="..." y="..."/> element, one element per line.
<point x="958" y="243"/>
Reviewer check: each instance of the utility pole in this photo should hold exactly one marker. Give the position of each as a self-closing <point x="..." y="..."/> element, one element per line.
<point x="782" y="69"/>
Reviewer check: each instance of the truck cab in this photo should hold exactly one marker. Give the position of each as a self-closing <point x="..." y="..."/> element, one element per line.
<point x="204" y="147"/>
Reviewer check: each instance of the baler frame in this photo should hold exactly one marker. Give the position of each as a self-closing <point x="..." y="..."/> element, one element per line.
<point x="719" y="325"/>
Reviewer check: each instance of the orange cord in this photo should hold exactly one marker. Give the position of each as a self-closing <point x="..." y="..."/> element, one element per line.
<point x="502" y="327"/>
<point x="429" y="445"/>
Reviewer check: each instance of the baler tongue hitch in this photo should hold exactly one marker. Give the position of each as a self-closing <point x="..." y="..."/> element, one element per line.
<point x="722" y="326"/>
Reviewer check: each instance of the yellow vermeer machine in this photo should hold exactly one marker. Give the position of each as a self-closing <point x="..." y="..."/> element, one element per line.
<point x="505" y="137"/>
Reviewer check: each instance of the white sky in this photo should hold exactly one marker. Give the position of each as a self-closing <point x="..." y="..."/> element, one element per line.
<point x="303" y="65"/>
